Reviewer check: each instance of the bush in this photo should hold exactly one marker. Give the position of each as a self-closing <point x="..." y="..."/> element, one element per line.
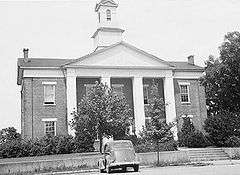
<point x="232" y="141"/>
<point x="38" y="147"/>
<point x="190" y="137"/>
<point x="150" y="147"/>
<point x="222" y="126"/>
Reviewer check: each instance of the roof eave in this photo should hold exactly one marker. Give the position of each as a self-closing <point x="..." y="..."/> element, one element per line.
<point x="189" y="70"/>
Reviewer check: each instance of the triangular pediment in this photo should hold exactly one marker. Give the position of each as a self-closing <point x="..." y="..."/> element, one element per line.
<point x="121" y="55"/>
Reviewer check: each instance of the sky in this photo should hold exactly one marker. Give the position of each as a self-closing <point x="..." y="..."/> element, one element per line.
<point x="169" y="29"/>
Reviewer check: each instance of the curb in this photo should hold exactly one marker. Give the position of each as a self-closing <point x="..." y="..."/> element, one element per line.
<point x="77" y="171"/>
<point x="207" y="163"/>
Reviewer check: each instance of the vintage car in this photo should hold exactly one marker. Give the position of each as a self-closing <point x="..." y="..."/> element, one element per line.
<point x="118" y="154"/>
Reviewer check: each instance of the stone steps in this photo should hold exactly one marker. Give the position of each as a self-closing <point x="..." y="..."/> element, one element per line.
<point x="206" y="154"/>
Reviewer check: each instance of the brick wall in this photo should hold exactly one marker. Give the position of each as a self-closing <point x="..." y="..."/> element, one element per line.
<point x="34" y="110"/>
<point x="197" y="105"/>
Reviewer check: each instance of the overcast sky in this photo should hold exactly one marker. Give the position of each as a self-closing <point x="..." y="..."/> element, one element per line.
<point x="169" y="29"/>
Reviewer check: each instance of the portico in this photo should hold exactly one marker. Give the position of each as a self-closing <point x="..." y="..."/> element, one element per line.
<point x="132" y="79"/>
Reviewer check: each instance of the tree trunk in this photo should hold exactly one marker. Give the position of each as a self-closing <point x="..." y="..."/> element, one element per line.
<point x="100" y="142"/>
<point x="158" y="162"/>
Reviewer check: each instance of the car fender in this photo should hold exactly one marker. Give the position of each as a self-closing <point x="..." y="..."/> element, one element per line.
<point x="101" y="164"/>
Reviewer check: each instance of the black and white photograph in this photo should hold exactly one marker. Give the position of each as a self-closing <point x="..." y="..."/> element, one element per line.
<point x="124" y="87"/>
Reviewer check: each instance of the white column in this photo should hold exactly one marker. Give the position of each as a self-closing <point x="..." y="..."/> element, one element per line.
<point x="106" y="80"/>
<point x="170" y="103"/>
<point x="138" y="101"/>
<point x="71" y="100"/>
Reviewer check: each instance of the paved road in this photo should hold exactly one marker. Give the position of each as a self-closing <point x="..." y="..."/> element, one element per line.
<point x="182" y="170"/>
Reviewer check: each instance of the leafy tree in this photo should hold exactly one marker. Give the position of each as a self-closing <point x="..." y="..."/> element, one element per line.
<point x="222" y="77"/>
<point x="101" y="112"/>
<point x="158" y="131"/>
<point x="9" y="134"/>
<point x="221" y="126"/>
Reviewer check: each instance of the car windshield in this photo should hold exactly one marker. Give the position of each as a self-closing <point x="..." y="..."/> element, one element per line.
<point x="117" y="145"/>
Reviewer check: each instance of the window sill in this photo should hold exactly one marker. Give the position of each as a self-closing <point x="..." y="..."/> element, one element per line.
<point x="186" y="103"/>
<point x="49" y="104"/>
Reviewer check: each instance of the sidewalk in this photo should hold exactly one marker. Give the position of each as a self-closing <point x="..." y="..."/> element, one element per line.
<point x="207" y="163"/>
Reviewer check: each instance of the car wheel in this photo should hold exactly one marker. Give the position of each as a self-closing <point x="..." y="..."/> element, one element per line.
<point x="124" y="169"/>
<point x="101" y="171"/>
<point x="136" y="168"/>
<point x="108" y="170"/>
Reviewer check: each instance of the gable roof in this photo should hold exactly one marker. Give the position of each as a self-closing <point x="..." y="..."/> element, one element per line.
<point x="43" y="62"/>
<point x="117" y="44"/>
<point x="185" y="66"/>
<point x="48" y="63"/>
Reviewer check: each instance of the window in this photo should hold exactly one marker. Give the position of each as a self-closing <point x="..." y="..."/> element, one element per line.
<point x="50" y="126"/>
<point x="184" y="92"/>
<point x="145" y="94"/>
<point x="108" y="12"/>
<point x="88" y="88"/>
<point x="49" y="93"/>
<point x="118" y="89"/>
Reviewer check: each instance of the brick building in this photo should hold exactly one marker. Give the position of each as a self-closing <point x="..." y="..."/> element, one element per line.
<point x="52" y="88"/>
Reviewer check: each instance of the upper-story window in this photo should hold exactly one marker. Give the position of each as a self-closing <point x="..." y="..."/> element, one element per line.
<point x="184" y="92"/>
<point x="88" y="88"/>
<point x="49" y="93"/>
<point x="108" y="12"/>
<point x="99" y="17"/>
<point x="118" y="89"/>
<point x="145" y="94"/>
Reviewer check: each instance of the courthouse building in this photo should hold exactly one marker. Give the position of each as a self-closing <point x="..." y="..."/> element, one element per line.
<point x="52" y="88"/>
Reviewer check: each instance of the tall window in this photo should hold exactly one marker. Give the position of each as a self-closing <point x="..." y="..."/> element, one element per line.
<point x="99" y="17"/>
<point x="88" y="88"/>
<point x="118" y="89"/>
<point x="184" y="92"/>
<point x="145" y="94"/>
<point x="108" y="12"/>
<point x="49" y="93"/>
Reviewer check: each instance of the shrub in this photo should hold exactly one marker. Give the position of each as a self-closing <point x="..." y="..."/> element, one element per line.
<point x="38" y="147"/>
<point x="232" y="141"/>
<point x="222" y="126"/>
<point x="190" y="137"/>
<point x="150" y="147"/>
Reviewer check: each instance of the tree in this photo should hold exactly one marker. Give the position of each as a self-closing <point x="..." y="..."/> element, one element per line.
<point x="221" y="126"/>
<point x="9" y="134"/>
<point x="222" y="77"/>
<point x="101" y="113"/>
<point x="190" y="137"/>
<point x="158" y="130"/>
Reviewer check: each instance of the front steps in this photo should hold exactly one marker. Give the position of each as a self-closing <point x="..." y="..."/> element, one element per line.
<point x="206" y="154"/>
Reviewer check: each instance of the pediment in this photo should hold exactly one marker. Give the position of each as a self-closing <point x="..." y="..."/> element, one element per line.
<point x="121" y="55"/>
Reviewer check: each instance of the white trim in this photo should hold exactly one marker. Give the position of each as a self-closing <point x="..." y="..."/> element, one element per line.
<point x="49" y="119"/>
<point x="184" y="83"/>
<point x="120" y="67"/>
<point x="49" y="83"/>
<point x="40" y="68"/>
